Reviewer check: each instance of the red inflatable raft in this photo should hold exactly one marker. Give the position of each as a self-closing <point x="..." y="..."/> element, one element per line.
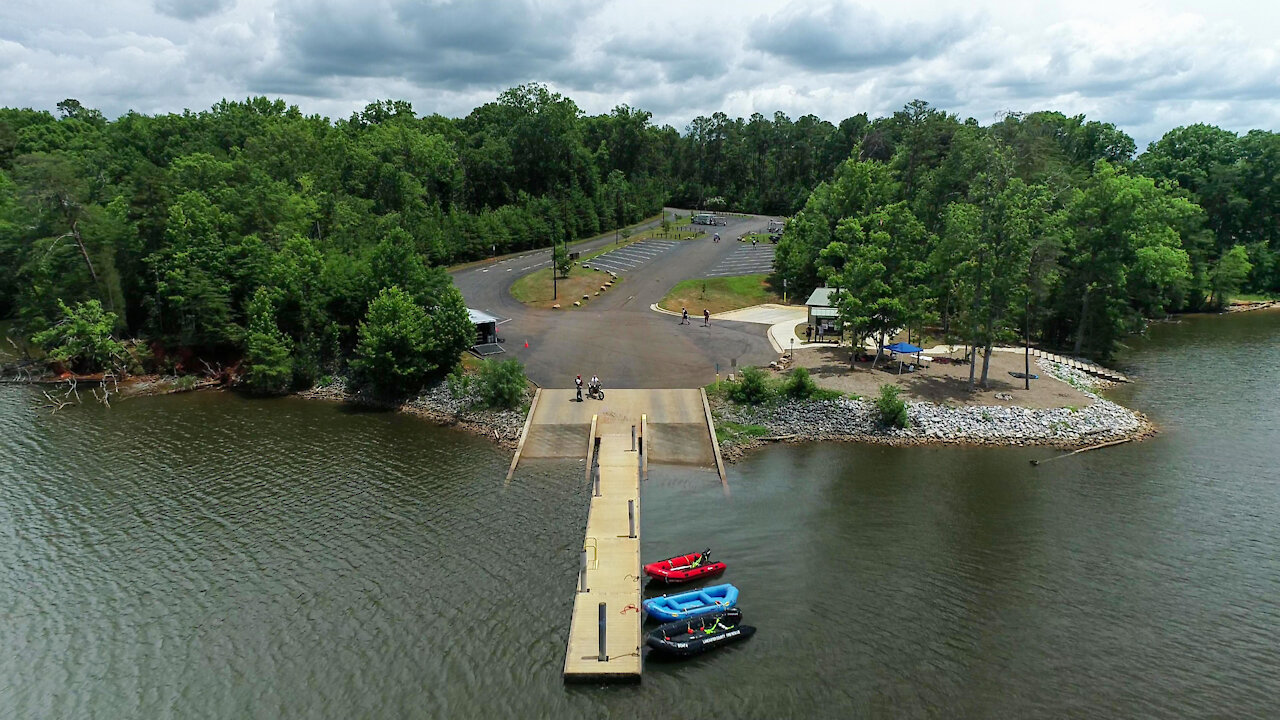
<point x="694" y="566"/>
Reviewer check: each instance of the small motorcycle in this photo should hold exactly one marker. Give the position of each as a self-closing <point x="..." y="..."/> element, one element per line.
<point x="595" y="391"/>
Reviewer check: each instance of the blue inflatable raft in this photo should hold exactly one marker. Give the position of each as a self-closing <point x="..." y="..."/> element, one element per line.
<point x="695" y="603"/>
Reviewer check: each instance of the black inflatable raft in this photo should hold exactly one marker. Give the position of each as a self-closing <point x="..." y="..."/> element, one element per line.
<point x="698" y="635"/>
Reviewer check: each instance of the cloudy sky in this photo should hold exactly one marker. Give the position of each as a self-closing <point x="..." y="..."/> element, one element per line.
<point x="1146" y="66"/>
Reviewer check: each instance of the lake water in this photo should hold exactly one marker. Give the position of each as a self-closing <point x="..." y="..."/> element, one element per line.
<point x="205" y="555"/>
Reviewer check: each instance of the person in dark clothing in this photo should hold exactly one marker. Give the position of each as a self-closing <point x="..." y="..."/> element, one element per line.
<point x="808" y="333"/>
<point x="706" y="317"/>
<point x="684" y="316"/>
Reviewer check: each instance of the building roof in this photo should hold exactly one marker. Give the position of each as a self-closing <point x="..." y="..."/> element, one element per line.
<point x="821" y="297"/>
<point x="479" y="316"/>
<point x="824" y="312"/>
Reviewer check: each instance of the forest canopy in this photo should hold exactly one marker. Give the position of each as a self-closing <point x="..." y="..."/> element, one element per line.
<point x="252" y="231"/>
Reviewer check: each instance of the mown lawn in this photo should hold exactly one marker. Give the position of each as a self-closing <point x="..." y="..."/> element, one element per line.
<point x="535" y="288"/>
<point x="719" y="294"/>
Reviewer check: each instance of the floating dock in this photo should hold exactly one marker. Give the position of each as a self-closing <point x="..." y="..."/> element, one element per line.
<point x="617" y="437"/>
<point x="604" y="634"/>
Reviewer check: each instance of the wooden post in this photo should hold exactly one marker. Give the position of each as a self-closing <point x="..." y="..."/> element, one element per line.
<point x="582" y="576"/>
<point x="631" y="518"/>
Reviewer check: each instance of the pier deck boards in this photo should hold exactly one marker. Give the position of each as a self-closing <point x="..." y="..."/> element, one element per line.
<point x="613" y="574"/>
<point x="675" y="428"/>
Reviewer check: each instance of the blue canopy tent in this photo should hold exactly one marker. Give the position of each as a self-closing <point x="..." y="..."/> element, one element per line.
<point x="906" y="349"/>
<point x="903" y="347"/>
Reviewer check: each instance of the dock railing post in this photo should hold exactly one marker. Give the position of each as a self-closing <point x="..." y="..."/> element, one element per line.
<point x="633" y="438"/>
<point x="582" y="573"/>
<point x="631" y="518"/>
<point x="596" y="472"/>
<point x="604" y="656"/>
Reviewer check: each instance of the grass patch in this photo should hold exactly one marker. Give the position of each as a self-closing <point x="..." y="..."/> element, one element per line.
<point x="719" y="294"/>
<point x="1253" y="298"/>
<point x="535" y="288"/>
<point x="728" y="431"/>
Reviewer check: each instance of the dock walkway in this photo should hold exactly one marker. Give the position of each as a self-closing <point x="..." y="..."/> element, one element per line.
<point x="612" y="574"/>
<point x="672" y="427"/>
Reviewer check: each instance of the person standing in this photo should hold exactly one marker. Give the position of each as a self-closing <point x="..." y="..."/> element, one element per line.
<point x="684" y="316"/>
<point x="808" y="333"/>
<point x="706" y="317"/>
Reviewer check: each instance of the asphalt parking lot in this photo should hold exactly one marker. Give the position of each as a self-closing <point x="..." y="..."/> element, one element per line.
<point x="615" y="334"/>
<point x="745" y="259"/>
<point x="632" y="256"/>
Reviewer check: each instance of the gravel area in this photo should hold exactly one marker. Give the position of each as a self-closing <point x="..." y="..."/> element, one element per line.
<point x="436" y="403"/>
<point x="845" y="419"/>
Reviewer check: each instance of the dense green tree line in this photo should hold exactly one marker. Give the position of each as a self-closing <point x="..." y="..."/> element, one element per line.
<point x="251" y="230"/>
<point x="1040" y="223"/>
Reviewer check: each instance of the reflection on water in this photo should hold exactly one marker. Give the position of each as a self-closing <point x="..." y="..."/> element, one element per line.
<point x="209" y="556"/>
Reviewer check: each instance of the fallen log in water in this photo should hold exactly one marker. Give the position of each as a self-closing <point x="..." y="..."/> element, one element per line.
<point x="1081" y="450"/>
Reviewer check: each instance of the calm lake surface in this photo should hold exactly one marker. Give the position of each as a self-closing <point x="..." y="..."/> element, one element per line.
<point x="205" y="555"/>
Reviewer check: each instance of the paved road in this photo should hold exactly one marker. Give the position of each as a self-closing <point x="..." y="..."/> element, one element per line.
<point x="618" y="336"/>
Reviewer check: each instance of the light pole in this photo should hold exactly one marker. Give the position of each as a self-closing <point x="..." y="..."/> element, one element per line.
<point x="793" y="348"/>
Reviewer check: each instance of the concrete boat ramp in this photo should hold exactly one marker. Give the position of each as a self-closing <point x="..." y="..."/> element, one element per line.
<point x="618" y="437"/>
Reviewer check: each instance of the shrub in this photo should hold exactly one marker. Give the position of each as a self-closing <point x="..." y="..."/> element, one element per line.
<point x="502" y="384"/>
<point x="799" y="385"/>
<point x="752" y="387"/>
<point x="893" y="409"/>
<point x="458" y="382"/>
<point x="562" y="262"/>
<point x="81" y="340"/>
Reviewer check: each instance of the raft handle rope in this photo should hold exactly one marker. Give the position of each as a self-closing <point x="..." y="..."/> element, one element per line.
<point x="624" y="610"/>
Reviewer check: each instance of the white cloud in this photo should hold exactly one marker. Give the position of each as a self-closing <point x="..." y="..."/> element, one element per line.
<point x="1147" y="67"/>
